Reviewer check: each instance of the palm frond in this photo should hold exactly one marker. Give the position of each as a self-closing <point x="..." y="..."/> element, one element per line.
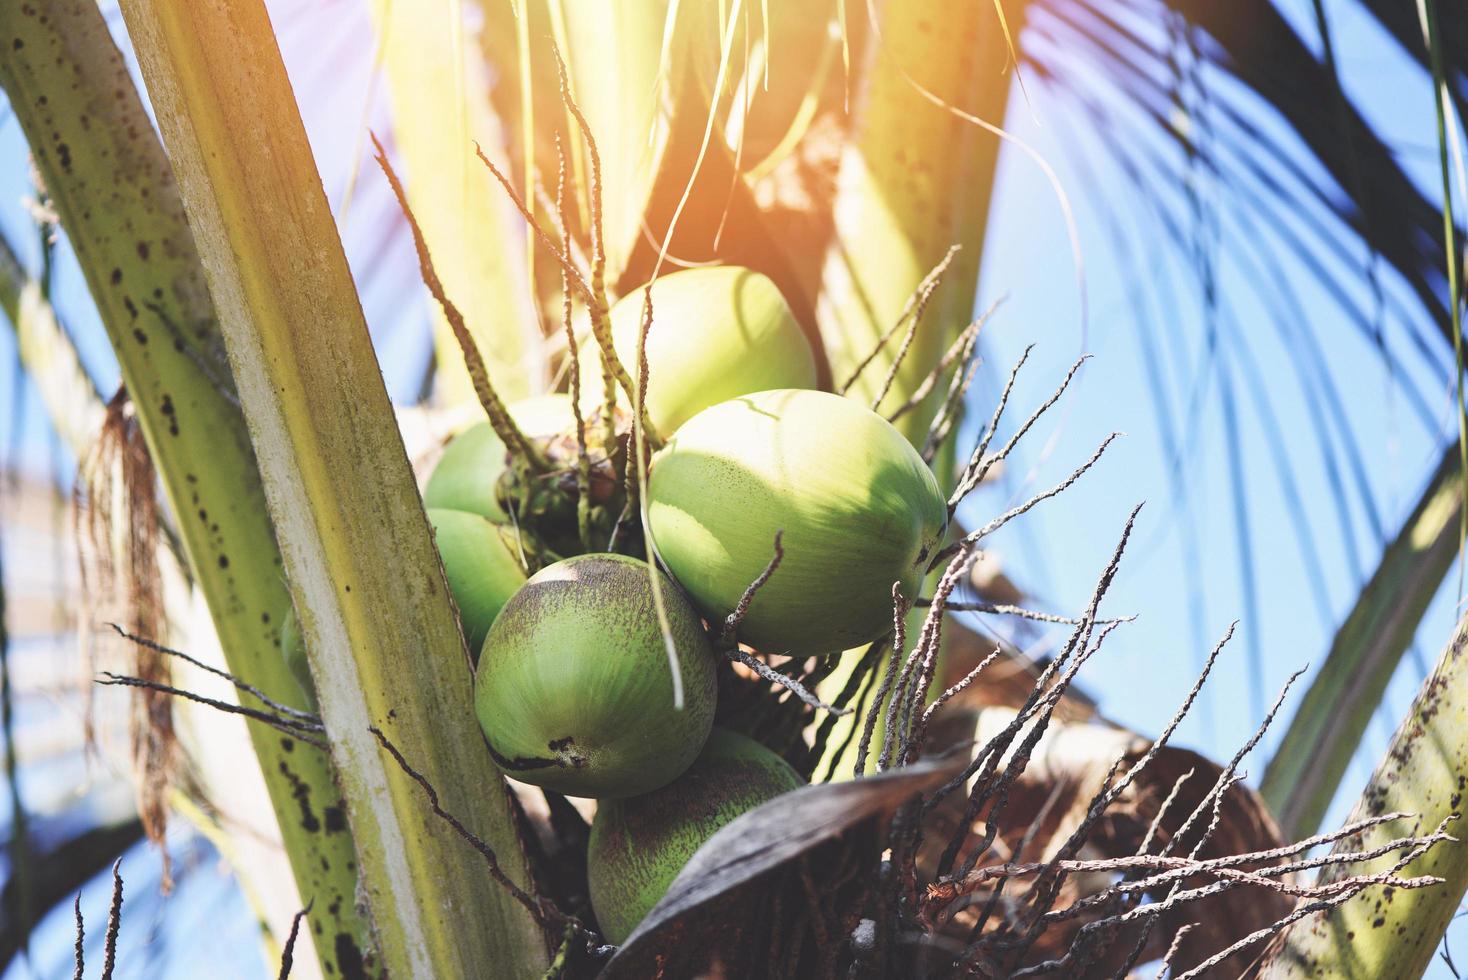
<point x="1247" y="158"/>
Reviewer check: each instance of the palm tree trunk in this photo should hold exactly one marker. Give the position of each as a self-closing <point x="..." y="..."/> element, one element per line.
<point x="380" y="631"/>
<point x="112" y="187"/>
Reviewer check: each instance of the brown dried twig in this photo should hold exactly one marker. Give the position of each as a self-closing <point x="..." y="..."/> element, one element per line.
<point x="790" y="684"/>
<point x="489" y="399"/>
<point x="973" y="537"/>
<point x="543" y="910"/>
<point x="298" y="728"/>
<point x="114" y="922"/>
<point x="979" y="462"/>
<point x="573" y="354"/>
<point x="288" y="954"/>
<point x="614" y="373"/>
<point x="1120" y="862"/>
<point x="731" y="622"/>
<point x="248" y="688"/>
<point x="913" y="310"/>
<point x="81" y="934"/>
<point x="960" y="351"/>
<point x="1019" y="612"/>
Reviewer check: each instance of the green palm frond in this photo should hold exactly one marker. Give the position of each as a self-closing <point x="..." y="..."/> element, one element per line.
<point x="1182" y="96"/>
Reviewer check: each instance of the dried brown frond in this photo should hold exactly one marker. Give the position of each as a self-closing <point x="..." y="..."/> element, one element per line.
<point x="118" y="534"/>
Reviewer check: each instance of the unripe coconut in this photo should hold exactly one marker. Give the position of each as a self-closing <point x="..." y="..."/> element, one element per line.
<point x="466" y="475"/>
<point x="574" y="690"/>
<point x="482" y="565"/>
<point x="639" y="845"/>
<point x="858" y="509"/>
<point x="717" y="333"/>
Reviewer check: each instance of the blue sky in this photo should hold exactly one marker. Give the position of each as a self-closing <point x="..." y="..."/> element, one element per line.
<point x="1061" y="549"/>
<point x="1182" y="574"/>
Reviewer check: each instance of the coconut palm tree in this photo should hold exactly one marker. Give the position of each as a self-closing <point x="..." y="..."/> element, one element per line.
<point x="840" y="149"/>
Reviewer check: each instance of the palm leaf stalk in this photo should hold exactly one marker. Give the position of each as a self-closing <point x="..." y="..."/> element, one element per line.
<point x="111" y="184"/>
<point x="380" y="632"/>
<point x="915" y="179"/>
<point x="438" y="117"/>
<point x="1326" y="729"/>
<point x="1396" y="935"/>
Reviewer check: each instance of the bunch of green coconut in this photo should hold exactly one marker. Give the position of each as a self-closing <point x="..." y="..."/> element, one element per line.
<point x="598" y="648"/>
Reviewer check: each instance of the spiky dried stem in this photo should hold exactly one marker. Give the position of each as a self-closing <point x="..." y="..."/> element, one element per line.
<point x="730" y="630"/>
<point x="959" y="351"/>
<point x="975" y="536"/>
<point x="925" y="294"/>
<point x="1048" y="689"/>
<point x="240" y="685"/>
<point x="301" y="729"/>
<point x="979" y="463"/>
<point x="597" y="304"/>
<point x="899" y="641"/>
<point x="913" y="309"/>
<point x="583" y="458"/>
<point x="578" y="280"/>
<point x="543" y="910"/>
<point x="489" y="399"/>
<point x="1018" y="612"/>
<point x="727" y="639"/>
<point x="81" y="935"/>
<point x="114" y="922"/>
<point x="1048" y="887"/>
<point x="967" y="479"/>
<point x="1172" y="950"/>
<point x="958" y="688"/>
<point x="288" y="954"/>
<point x="790" y="684"/>
<point x="950" y="411"/>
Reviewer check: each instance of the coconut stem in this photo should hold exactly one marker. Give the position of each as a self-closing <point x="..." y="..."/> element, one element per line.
<point x="913" y="309"/>
<point x="732" y="621"/>
<point x="499" y="418"/>
<point x="597" y="304"/>
<point x="583" y="459"/>
<point x="790" y="684"/>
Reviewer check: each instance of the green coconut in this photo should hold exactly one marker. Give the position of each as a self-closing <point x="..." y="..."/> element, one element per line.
<point x="293" y="649"/>
<point x="717" y="333"/>
<point x="574" y="690"/>
<point x="639" y="845"/>
<point x="858" y="509"/>
<point x="482" y="564"/>
<point x="469" y="469"/>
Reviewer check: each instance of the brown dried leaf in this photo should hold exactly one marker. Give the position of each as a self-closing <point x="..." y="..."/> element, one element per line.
<point x="1049" y="801"/>
<point x="119" y="529"/>
<point x="779" y="888"/>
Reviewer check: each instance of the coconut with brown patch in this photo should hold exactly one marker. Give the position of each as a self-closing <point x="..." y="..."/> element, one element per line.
<point x="575" y="688"/>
